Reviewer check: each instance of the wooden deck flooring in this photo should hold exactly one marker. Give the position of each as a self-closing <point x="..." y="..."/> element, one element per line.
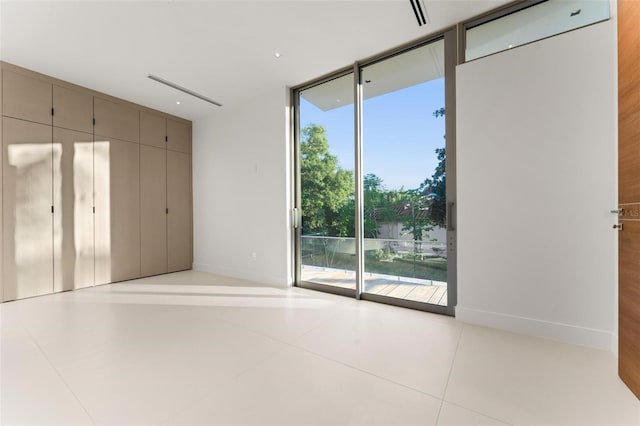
<point x="434" y="292"/>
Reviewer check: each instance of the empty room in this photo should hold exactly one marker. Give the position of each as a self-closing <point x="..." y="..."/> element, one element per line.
<point x="351" y="212"/>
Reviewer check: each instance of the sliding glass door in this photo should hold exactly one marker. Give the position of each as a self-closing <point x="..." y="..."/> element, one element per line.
<point x="326" y="177"/>
<point x="404" y="199"/>
<point x="371" y="195"/>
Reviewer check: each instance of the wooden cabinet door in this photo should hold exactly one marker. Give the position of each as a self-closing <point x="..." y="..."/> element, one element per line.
<point x="26" y="203"/>
<point x="72" y="109"/>
<point x="179" y="243"/>
<point x="117" y="217"/>
<point x="178" y="136"/>
<point x="153" y="130"/>
<point x="73" y="209"/>
<point x="629" y="192"/>
<point x="26" y="98"/>
<point x="153" y="204"/>
<point x="114" y="120"/>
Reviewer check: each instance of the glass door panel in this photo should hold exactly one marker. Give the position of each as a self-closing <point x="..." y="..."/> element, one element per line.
<point x="326" y="245"/>
<point x="404" y="199"/>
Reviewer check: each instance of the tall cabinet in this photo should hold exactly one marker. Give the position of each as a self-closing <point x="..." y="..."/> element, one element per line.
<point x="26" y="203"/>
<point x="94" y="189"/>
<point x="117" y="191"/>
<point x="165" y="179"/>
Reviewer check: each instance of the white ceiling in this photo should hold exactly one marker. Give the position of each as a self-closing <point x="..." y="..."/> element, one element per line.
<point x="417" y="66"/>
<point x="221" y="49"/>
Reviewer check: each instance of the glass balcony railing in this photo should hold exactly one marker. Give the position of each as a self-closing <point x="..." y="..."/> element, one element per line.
<point x="420" y="260"/>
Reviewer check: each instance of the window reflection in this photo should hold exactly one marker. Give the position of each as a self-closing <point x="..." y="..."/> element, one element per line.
<point x="83" y="212"/>
<point x="32" y="232"/>
<point x="73" y="202"/>
<point x="48" y="252"/>
<point x="102" y="225"/>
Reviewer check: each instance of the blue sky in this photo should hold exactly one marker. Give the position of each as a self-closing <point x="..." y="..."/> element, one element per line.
<point x="400" y="133"/>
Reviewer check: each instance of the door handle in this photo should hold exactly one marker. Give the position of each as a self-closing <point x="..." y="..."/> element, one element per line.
<point x="449" y="214"/>
<point x="619" y="212"/>
<point x="296" y="217"/>
<point x="618" y="226"/>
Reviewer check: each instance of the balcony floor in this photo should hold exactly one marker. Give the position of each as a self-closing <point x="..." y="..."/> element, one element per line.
<point x="433" y="292"/>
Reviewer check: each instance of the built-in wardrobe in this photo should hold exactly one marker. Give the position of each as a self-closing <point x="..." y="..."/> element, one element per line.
<point x="94" y="189"/>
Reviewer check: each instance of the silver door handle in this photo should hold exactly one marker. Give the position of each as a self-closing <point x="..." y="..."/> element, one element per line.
<point x="619" y="212"/>
<point x="296" y="217"/>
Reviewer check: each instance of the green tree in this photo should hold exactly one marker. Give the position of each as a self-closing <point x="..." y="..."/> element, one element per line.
<point x="415" y="215"/>
<point x="372" y="183"/>
<point x="374" y="207"/>
<point x="346" y="226"/>
<point x="434" y="188"/>
<point x="326" y="187"/>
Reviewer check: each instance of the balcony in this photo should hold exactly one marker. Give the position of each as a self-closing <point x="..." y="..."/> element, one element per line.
<point x="404" y="269"/>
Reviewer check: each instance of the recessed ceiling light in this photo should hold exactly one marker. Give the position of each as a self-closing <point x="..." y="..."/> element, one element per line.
<point x="510" y="46"/>
<point x="178" y="102"/>
<point x="277" y="54"/>
<point x="338" y="100"/>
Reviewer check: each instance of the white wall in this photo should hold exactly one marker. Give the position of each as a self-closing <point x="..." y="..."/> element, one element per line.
<point x="537" y="177"/>
<point x="241" y="193"/>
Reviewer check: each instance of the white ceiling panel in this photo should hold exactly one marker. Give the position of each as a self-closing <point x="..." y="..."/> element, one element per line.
<point x="221" y="49"/>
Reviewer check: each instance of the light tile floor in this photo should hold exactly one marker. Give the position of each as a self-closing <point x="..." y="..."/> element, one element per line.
<point x="197" y="349"/>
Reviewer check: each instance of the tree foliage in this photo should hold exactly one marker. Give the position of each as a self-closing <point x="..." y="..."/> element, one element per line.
<point x="328" y="202"/>
<point x="416" y="220"/>
<point x="434" y="191"/>
<point x="327" y="188"/>
<point x="434" y="188"/>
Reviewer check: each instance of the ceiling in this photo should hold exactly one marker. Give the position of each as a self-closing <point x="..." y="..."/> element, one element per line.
<point x="416" y="66"/>
<point x="224" y="50"/>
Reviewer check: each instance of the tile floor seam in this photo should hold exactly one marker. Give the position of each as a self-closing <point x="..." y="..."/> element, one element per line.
<point x="225" y="384"/>
<point x="35" y="342"/>
<point x="453" y="361"/>
<point x="150" y="338"/>
<point x="319" y="323"/>
<point x="478" y="412"/>
<point x="386" y="379"/>
<point x="296" y="346"/>
<point x="255" y="331"/>
<point x="220" y="317"/>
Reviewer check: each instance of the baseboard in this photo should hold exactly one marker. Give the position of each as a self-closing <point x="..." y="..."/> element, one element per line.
<point x="593" y="338"/>
<point x="253" y="276"/>
<point x="614" y="344"/>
